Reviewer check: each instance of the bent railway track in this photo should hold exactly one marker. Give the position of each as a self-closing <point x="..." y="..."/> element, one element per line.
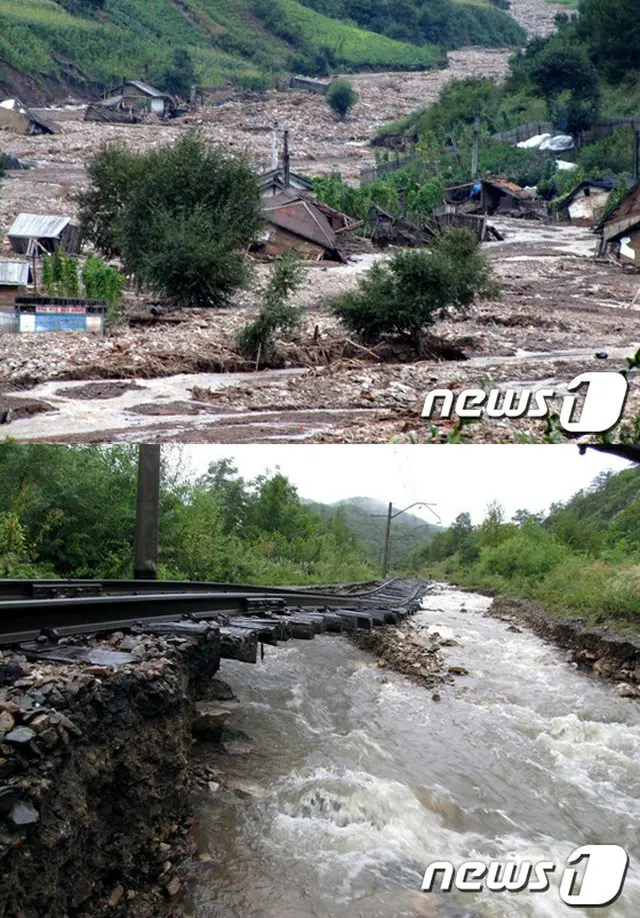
<point x="43" y="617"/>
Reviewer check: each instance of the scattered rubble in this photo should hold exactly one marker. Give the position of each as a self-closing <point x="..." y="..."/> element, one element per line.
<point x="412" y="649"/>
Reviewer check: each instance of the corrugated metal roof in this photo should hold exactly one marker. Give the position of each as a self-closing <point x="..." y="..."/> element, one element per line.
<point x="147" y="89"/>
<point x="15" y="273"/>
<point x="39" y="226"/>
<point x="301" y="218"/>
<point x="509" y="187"/>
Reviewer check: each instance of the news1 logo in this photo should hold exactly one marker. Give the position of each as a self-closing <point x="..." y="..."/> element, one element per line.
<point x="605" y="395"/>
<point x="602" y="881"/>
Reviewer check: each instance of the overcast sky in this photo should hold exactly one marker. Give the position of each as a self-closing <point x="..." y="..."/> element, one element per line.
<point x="454" y="478"/>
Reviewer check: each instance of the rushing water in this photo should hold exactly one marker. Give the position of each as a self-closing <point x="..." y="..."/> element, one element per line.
<point x="358" y="779"/>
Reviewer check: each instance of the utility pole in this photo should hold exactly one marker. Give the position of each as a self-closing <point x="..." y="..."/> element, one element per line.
<point x="147" y="513"/>
<point x="287" y="161"/>
<point x="391" y="516"/>
<point x="636" y="155"/>
<point x="387" y="543"/>
<point x="276" y="154"/>
<point x="476" y="147"/>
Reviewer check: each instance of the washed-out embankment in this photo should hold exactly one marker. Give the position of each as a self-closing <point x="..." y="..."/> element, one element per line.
<point x="95" y="777"/>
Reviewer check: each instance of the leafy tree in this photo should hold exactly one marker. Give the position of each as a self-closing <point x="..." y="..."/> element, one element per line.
<point x="180" y="76"/>
<point x="102" y="282"/>
<point x="180" y="217"/>
<point x="611" y="31"/>
<point x="341" y="97"/>
<point x="416" y="287"/>
<point x="276" y="315"/>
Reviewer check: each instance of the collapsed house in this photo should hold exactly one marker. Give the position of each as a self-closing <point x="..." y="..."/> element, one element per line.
<point x="388" y="230"/>
<point x="448" y="217"/>
<point x="15" y="277"/>
<point x="309" y="84"/>
<point x="492" y="196"/>
<point x="130" y="102"/>
<point x="296" y="222"/>
<point x="620" y="229"/>
<point x="16" y="117"/>
<point x="586" y="203"/>
<point x="35" y="234"/>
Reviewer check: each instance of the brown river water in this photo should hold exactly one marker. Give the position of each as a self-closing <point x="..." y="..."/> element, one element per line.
<point x="357" y="779"/>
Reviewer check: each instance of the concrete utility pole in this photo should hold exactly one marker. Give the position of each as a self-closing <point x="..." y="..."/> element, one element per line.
<point x="636" y="155"/>
<point x="276" y="152"/>
<point x="387" y="539"/>
<point x="476" y="148"/>
<point x="147" y="513"/>
<point x="287" y="161"/>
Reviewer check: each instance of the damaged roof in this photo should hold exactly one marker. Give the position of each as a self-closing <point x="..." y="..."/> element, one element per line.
<point x="39" y="226"/>
<point x="276" y="178"/>
<point x="15" y="273"/>
<point x="508" y="187"/>
<point x="298" y="215"/>
<point x="622" y="217"/>
<point x="18" y="108"/>
<point x="147" y="89"/>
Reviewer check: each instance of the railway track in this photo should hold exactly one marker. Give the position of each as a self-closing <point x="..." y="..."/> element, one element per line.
<point x="37" y="615"/>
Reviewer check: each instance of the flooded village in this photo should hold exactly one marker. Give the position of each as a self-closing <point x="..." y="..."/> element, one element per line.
<point x="568" y="305"/>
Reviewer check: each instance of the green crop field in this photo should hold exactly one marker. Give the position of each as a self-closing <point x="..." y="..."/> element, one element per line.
<point x="248" y="41"/>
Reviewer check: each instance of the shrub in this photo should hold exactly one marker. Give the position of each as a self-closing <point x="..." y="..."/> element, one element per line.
<point x="341" y="96"/>
<point x="255" y="340"/>
<point x="416" y="287"/>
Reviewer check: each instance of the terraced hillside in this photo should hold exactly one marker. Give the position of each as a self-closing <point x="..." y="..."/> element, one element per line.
<point x="81" y="45"/>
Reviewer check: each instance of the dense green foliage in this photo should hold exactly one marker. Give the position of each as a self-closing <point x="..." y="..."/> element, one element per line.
<point x="178" y="216"/>
<point x="407" y="294"/>
<point x="367" y="519"/>
<point x="70" y="512"/>
<point x="410" y="192"/>
<point x="96" y="281"/>
<point x="582" y="559"/>
<point x="247" y="41"/>
<point x="341" y="97"/>
<point x="255" y="340"/>
<point x="441" y="22"/>
<point x="180" y="75"/>
<point x="590" y="67"/>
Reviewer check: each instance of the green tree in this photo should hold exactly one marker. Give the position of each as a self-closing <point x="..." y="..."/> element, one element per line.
<point x="341" y="97"/>
<point x="417" y="286"/>
<point x="180" y="76"/>
<point x="180" y="217"/>
<point x="276" y="315"/>
<point x="611" y="31"/>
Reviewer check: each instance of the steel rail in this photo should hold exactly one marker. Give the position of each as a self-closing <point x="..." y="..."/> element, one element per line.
<point x="31" y="589"/>
<point x="25" y="619"/>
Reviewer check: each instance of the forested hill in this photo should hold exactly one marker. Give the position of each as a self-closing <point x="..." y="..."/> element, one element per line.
<point x="83" y="45"/>
<point x="366" y="518"/>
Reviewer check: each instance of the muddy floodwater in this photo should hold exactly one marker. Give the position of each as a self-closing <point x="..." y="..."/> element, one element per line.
<point x="357" y="779"/>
